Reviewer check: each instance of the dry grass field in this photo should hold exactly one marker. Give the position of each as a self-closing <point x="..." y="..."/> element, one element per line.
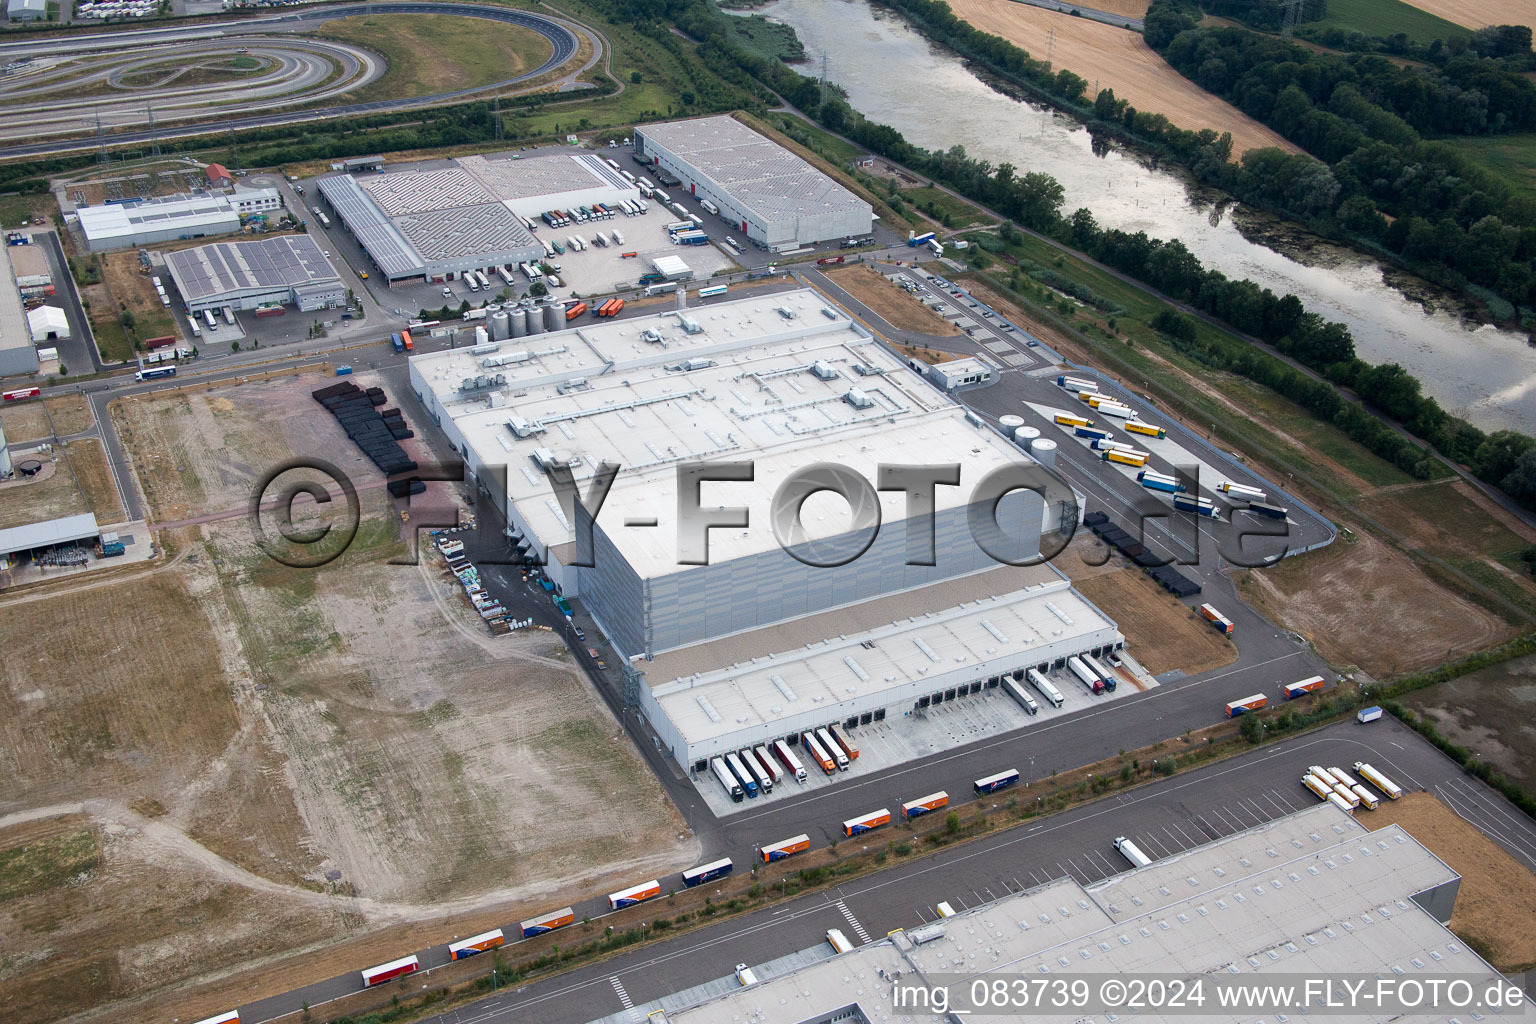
<point x="94" y="479"/>
<point x="1481" y="13"/>
<point x="28" y="421"/>
<point x="1125" y="8"/>
<point x="266" y="759"/>
<point x="1491" y="712"/>
<point x="890" y="302"/>
<point x="1160" y="632"/>
<point x="1497" y="900"/>
<point x="51" y="494"/>
<point x="1117" y="59"/>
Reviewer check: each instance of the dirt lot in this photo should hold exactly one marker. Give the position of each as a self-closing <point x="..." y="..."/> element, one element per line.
<point x="28" y="421"/>
<point x="277" y="758"/>
<point x="1348" y="599"/>
<point x="94" y="478"/>
<point x="1160" y="632"/>
<point x="1119" y="60"/>
<point x="50" y="495"/>
<point x="1492" y="712"/>
<point x="890" y="302"/>
<point x="120" y="272"/>
<point x="1497" y="901"/>
<point x="1443" y="517"/>
<point x="1481" y="13"/>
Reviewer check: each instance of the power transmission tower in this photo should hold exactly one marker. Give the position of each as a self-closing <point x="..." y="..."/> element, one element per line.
<point x="1292" y="15"/>
<point x="1050" y="45"/>
<point x="496" y="117"/>
<point x="234" y="150"/>
<point x="101" y="141"/>
<point x="823" y="79"/>
<point x="154" y="137"/>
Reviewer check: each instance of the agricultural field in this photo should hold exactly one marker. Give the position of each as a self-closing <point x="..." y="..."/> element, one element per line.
<point x="1491" y="711"/>
<point x="248" y="759"/>
<point x="1420" y="22"/>
<point x="431" y="53"/>
<point x="1118" y="59"/>
<point x="1511" y="157"/>
<point x="950" y="211"/>
<point x="1476" y="14"/>
<point x="890" y="303"/>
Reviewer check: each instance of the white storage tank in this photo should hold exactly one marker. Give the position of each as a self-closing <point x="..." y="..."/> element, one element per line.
<point x="501" y="326"/>
<point x="1044" y="451"/>
<point x="1026" y="437"/>
<point x="554" y="313"/>
<point x="482" y="336"/>
<point x="1010" y="423"/>
<point x="519" y="324"/>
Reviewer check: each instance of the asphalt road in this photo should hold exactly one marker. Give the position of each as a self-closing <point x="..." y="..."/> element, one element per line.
<point x="561" y="35"/>
<point x="1163" y="817"/>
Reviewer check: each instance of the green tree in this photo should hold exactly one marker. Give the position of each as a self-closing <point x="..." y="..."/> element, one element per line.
<point x="952" y="822"/>
<point x="1251" y="729"/>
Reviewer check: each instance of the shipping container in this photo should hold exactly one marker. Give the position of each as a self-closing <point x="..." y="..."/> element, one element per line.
<point x="1021" y="696"/>
<point x="1089" y="678"/>
<point x="747" y="779"/>
<point x="1222" y="624"/>
<point x="572" y="312"/>
<point x="475" y="944"/>
<point x="762" y="775"/>
<point x="1068" y="420"/>
<point x="1264" y="508"/>
<point x="1302" y="687"/>
<point x="924" y="804"/>
<point x="840" y="737"/>
<point x="1093" y="433"/>
<point x="1076" y="384"/>
<point x="1320" y="787"/>
<point x="866" y="822"/>
<point x="1240" y="490"/>
<point x="1340" y="802"/>
<point x="1045" y="688"/>
<point x="787" y="757"/>
<point x="410" y="344"/>
<point x="1131" y="852"/>
<point x="1158" y="481"/>
<point x="1145" y="428"/>
<point x="1343" y="777"/>
<point x="727" y="781"/>
<point x="817" y="753"/>
<point x="1253" y="703"/>
<point x="547" y="922"/>
<point x="770" y="764"/>
<point x="1347" y="795"/>
<point x="387" y="972"/>
<point x="786" y="848"/>
<point x="1132" y="458"/>
<point x="1379" y="780"/>
<point x="838" y="941"/>
<point x="1098" y="668"/>
<point x="1199" y="506"/>
<point x="829" y="745"/>
<point x="994" y="783"/>
<point x="708" y="872"/>
<point x="635" y="894"/>
<point x="1369" y="714"/>
<point x="1365" y="796"/>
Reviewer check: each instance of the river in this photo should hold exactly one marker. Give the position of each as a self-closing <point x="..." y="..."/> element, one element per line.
<point x="895" y="76"/>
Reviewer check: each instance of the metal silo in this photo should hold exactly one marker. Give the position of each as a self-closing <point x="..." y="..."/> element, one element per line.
<point x="501" y="326"/>
<point x="554" y="313"/>
<point x="1044" y="451"/>
<point x="1010" y="423"/>
<point x="519" y="321"/>
<point x="1026" y="437"/>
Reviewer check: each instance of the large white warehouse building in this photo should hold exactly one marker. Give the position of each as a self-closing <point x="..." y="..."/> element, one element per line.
<point x="437" y="224"/>
<point x="760" y="188"/>
<point x="759" y="391"/>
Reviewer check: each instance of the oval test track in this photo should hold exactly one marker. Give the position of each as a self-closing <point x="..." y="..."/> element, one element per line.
<point x="561" y="35"/>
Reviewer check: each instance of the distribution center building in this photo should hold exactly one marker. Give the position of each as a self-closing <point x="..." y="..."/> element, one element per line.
<point x="780" y="384"/>
<point x="170" y="218"/>
<point x="760" y="188"/>
<point x="288" y="269"/>
<point x="437" y="224"/>
<point x="17" y="353"/>
<point x="1311" y="895"/>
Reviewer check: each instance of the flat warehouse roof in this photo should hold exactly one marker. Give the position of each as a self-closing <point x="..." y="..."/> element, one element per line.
<point x="765" y="690"/>
<point x="265" y="264"/>
<point x="509" y="179"/>
<point x="367" y="222"/>
<point x="466" y="231"/>
<point x="749" y="383"/>
<point x="405" y="192"/>
<point x="53" y="531"/>
<point x="1309" y="895"/>
<point x="14" y="332"/>
<point x="758" y="173"/>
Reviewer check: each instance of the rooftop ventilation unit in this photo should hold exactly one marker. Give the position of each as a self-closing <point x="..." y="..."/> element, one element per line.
<point x="823" y="371"/>
<point x="651" y="335"/>
<point x="698" y="364"/>
<point x="485" y="349"/>
<point x="544" y="457"/>
<point x="786" y="313"/>
<point x="858" y="399"/>
<point x="522" y="428"/>
<point x="690" y="325"/>
<point x="470" y="385"/>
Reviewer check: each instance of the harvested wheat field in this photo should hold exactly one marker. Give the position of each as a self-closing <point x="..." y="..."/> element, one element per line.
<point x="1481" y="13"/>
<point x="1117" y="59"/>
<point x="248" y="760"/>
<point x="890" y="302"/>
<point x="1160" y="632"/>
<point x="1497" y="900"/>
<point x="1124" y="8"/>
<point x="1348" y="600"/>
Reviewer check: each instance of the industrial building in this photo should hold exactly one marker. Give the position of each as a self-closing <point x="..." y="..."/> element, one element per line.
<point x="761" y="189"/>
<point x="286" y="270"/>
<point x="26" y="10"/>
<point x="47" y="323"/>
<point x="17" y="355"/>
<point x="438" y="224"/>
<point x="957" y="373"/>
<point x="1312" y="895"/>
<point x="33" y="275"/>
<point x="782" y="383"/>
<point x="171" y="218"/>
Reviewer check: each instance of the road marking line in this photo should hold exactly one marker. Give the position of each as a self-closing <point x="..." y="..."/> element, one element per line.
<point x="618" y="986"/>
<point x="853" y="921"/>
